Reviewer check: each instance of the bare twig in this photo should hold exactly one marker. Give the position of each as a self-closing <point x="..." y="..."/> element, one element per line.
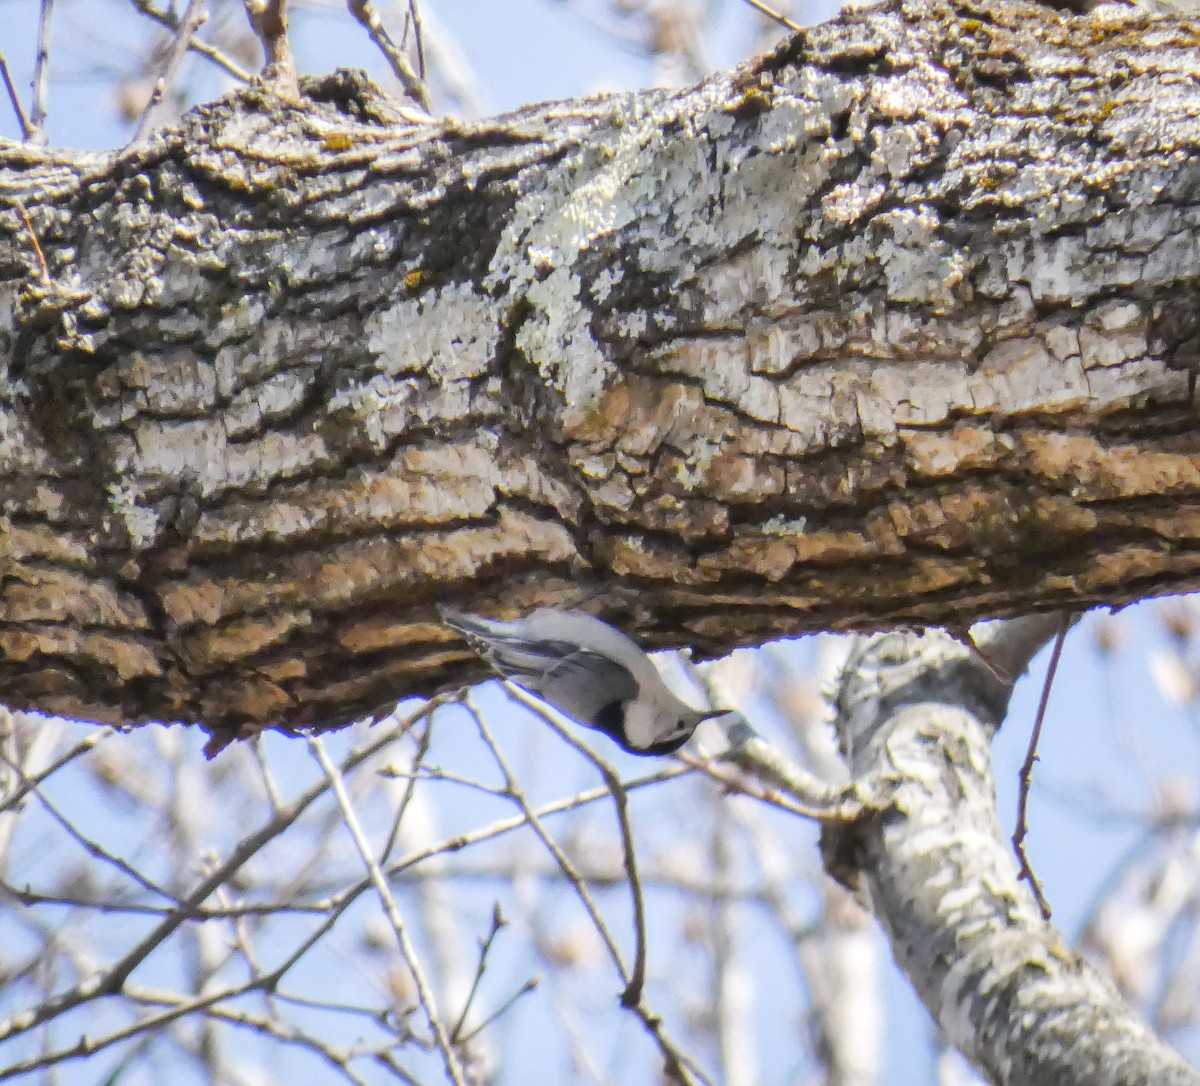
<point x="414" y="16"/>
<point x="436" y="773"/>
<point x="111" y="979"/>
<point x="485" y="945"/>
<point x="192" y="18"/>
<point x="1012" y="643"/>
<point x="632" y="995"/>
<point x="265" y="775"/>
<point x="516" y="794"/>
<point x="811" y="796"/>
<point x="99" y="852"/>
<point x="771" y="13"/>
<point x="29" y="897"/>
<point x="268" y="19"/>
<point x="679" y="1067"/>
<point x="407" y="949"/>
<point x="43" y="269"/>
<point x="28" y="132"/>
<point x="1026" y="774"/>
<point x="409" y="789"/>
<point x="170" y="21"/>
<point x="177" y="1007"/>
<point x="525" y="988"/>
<point x="41" y="72"/>
<point x="336" y="1057"/>
<point x="413" y="84"/>
<point x="962" y="634"/>
<point x="507" y="825"/>
<point x="28" y="784"/>
<point x="457" y="79"/>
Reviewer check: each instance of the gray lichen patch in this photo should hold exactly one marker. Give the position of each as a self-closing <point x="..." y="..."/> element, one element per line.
<point x="199" y="452"/>
<point x="448" y="334"/>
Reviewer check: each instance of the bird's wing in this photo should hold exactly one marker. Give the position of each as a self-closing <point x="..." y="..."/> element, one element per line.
<point x="574" y="680"/>
<point x="585" y="686"/>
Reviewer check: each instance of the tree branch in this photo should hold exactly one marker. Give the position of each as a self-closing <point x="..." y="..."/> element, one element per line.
<point x="917" y="714"/>
<point x="894" y="325"/>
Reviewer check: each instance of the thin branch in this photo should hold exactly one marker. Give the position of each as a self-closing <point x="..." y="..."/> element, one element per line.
<point x="410" y="786"/>
<point x="485" y="945"/>
<point x="177" y="1007"/>
<point x="268" y="19"/>
<point x="41" y="70"/>
<point x="515" y="793"/>
<point x="87" y="1046"/>
<point x="414" y="85"/>
<point x="1012" y="643"/>
<point x="388" y="1060"/>
<point x="110" y="980"/>
<point x="99" y="852"/>
<point x="771" y="13"/>
<point x="28" y="897"/>
<point x="407" y="950"/>
<point x="192" y="18"/>
<point x="28" y="132"/>
<point x="1026" y="774"/>
<point x="371" y="1013"/>
<point x="339" y="1059"/>
<point x="679" y="1067"/>
<point x="29" y="784"/>
<point x="813" y="797"/>
<point x="525" y="988"/>
<point x="265" y="775"/>
<point x="436" y="773"/>
<point x="507" y="825"/>
<point x="632" y="995"/>
<point x="43" y="269"/>
<point x="169" y="21"/>
<point x="414" y="15"/>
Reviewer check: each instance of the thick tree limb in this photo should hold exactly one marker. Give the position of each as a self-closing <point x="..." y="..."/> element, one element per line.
<point x="916" y="718"/>
<point x="895" y="325"/>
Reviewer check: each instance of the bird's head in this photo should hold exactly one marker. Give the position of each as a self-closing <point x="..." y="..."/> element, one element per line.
<point x="650" y="728"/>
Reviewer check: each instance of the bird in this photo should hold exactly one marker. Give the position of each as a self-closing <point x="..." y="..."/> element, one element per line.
<point x="588" y="670"/>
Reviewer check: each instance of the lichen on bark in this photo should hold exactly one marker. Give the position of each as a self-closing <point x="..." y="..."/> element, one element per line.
<point x="894" y="325"/>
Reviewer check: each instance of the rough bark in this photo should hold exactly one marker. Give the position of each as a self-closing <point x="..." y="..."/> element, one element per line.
<point x="916" y="719"/>
<point x="893" y="325"/>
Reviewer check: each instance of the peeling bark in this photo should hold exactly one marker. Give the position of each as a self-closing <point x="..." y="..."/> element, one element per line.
<point x="894" y="325"/>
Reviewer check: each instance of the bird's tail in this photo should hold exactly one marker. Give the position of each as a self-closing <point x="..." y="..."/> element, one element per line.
<point x="511" y="655"/>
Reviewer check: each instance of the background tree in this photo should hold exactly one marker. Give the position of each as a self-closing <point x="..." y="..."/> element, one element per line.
<point x="994" y="527"/>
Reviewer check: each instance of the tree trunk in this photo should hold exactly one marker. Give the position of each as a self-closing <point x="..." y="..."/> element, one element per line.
<point x="916" y="717"/>
<point x="894" y="325"/>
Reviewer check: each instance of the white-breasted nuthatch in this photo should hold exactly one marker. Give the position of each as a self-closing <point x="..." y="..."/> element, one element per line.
<point x="587" y="669"/>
